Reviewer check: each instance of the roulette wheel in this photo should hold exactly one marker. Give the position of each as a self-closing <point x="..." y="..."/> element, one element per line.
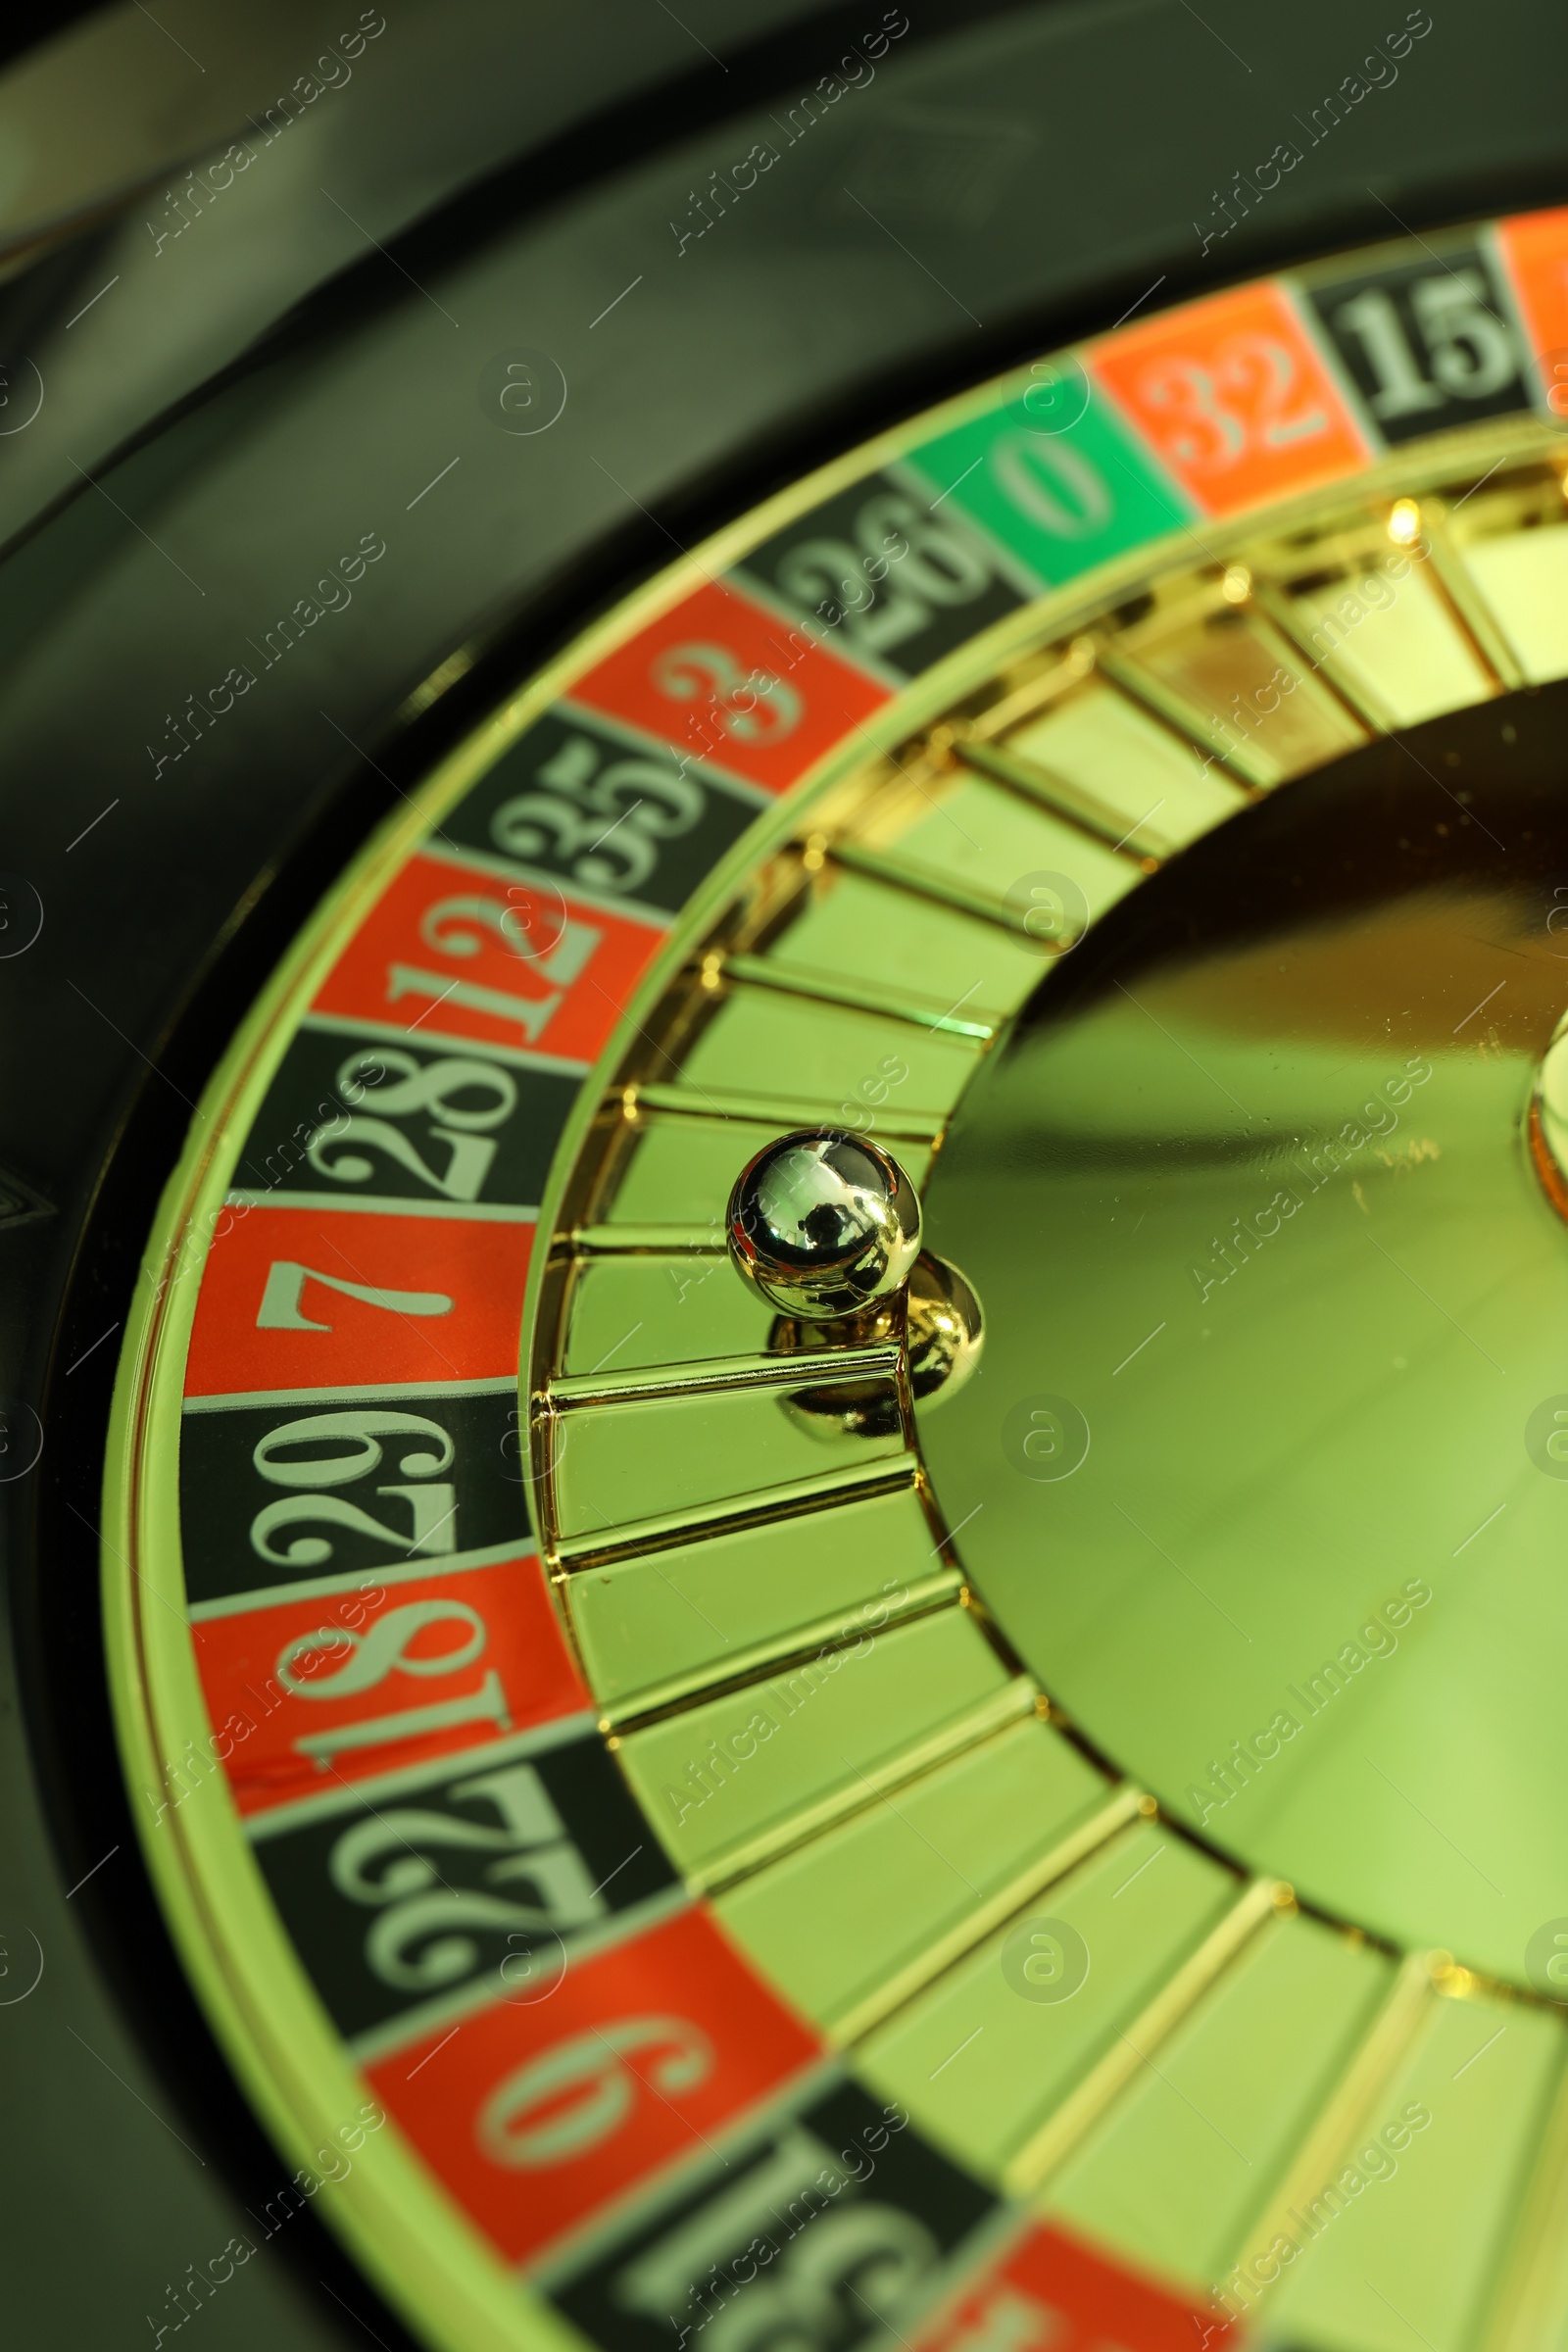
<point x="786" y="1448"/>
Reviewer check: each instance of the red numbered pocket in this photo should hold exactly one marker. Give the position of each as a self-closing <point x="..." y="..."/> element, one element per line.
<point x="1535" y="249"/>
<point x="304" y="1695"/>
<point x="1051" y="2293"/>
<point x="321" y="1297"/>
<point x="726" y="681"/>
<point x="1235" y="398"/>
<point x="453" y="952"/>
<point x="540" y="2110"/>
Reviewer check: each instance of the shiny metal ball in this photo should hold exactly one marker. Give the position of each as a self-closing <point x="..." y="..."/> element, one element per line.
<point x="945" y="1330"/>
<point x="824" y="1223"/>
<point x="940" y="1322"/>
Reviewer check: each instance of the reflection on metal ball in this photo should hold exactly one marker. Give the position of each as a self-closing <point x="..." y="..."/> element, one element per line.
<point x="944" y="1330"/>
<point x="824" y="1224"/>
<point x="947" y="1329"/>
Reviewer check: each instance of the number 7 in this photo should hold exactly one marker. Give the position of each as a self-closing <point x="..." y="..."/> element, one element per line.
<point x="280" y="1308"/>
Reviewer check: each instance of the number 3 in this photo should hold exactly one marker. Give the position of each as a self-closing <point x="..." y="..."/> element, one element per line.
<point x="710" y="672"/>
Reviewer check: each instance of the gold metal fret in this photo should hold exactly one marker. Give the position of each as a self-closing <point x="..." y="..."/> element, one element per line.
<point x="922" y="882"/>
<point x="718" y="1376"/>
<point x="1532" y="2292"/>
<point x="1176" y="713"/>
<point x="1470" y="607"/>
<point x="766" y="1110"/>
<point x="1125" y="1808"/>
<point x="759" y="1508"/>
<point x="645" y="1241"/>
<point x="1365" y="706"/>
<point x="1015" y="1700"/>
<point x="1049" y="2148"/>
<point x="1036" y="693"/>
<point x="1321" y="2153"/>
<point x="1044" y="789"/>
<point x="855" y="996"/>
<point x="758" y="1661"/>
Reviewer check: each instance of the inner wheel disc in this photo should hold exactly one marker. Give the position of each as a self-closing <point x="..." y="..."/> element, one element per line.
<point x="1252" y="1188"/>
